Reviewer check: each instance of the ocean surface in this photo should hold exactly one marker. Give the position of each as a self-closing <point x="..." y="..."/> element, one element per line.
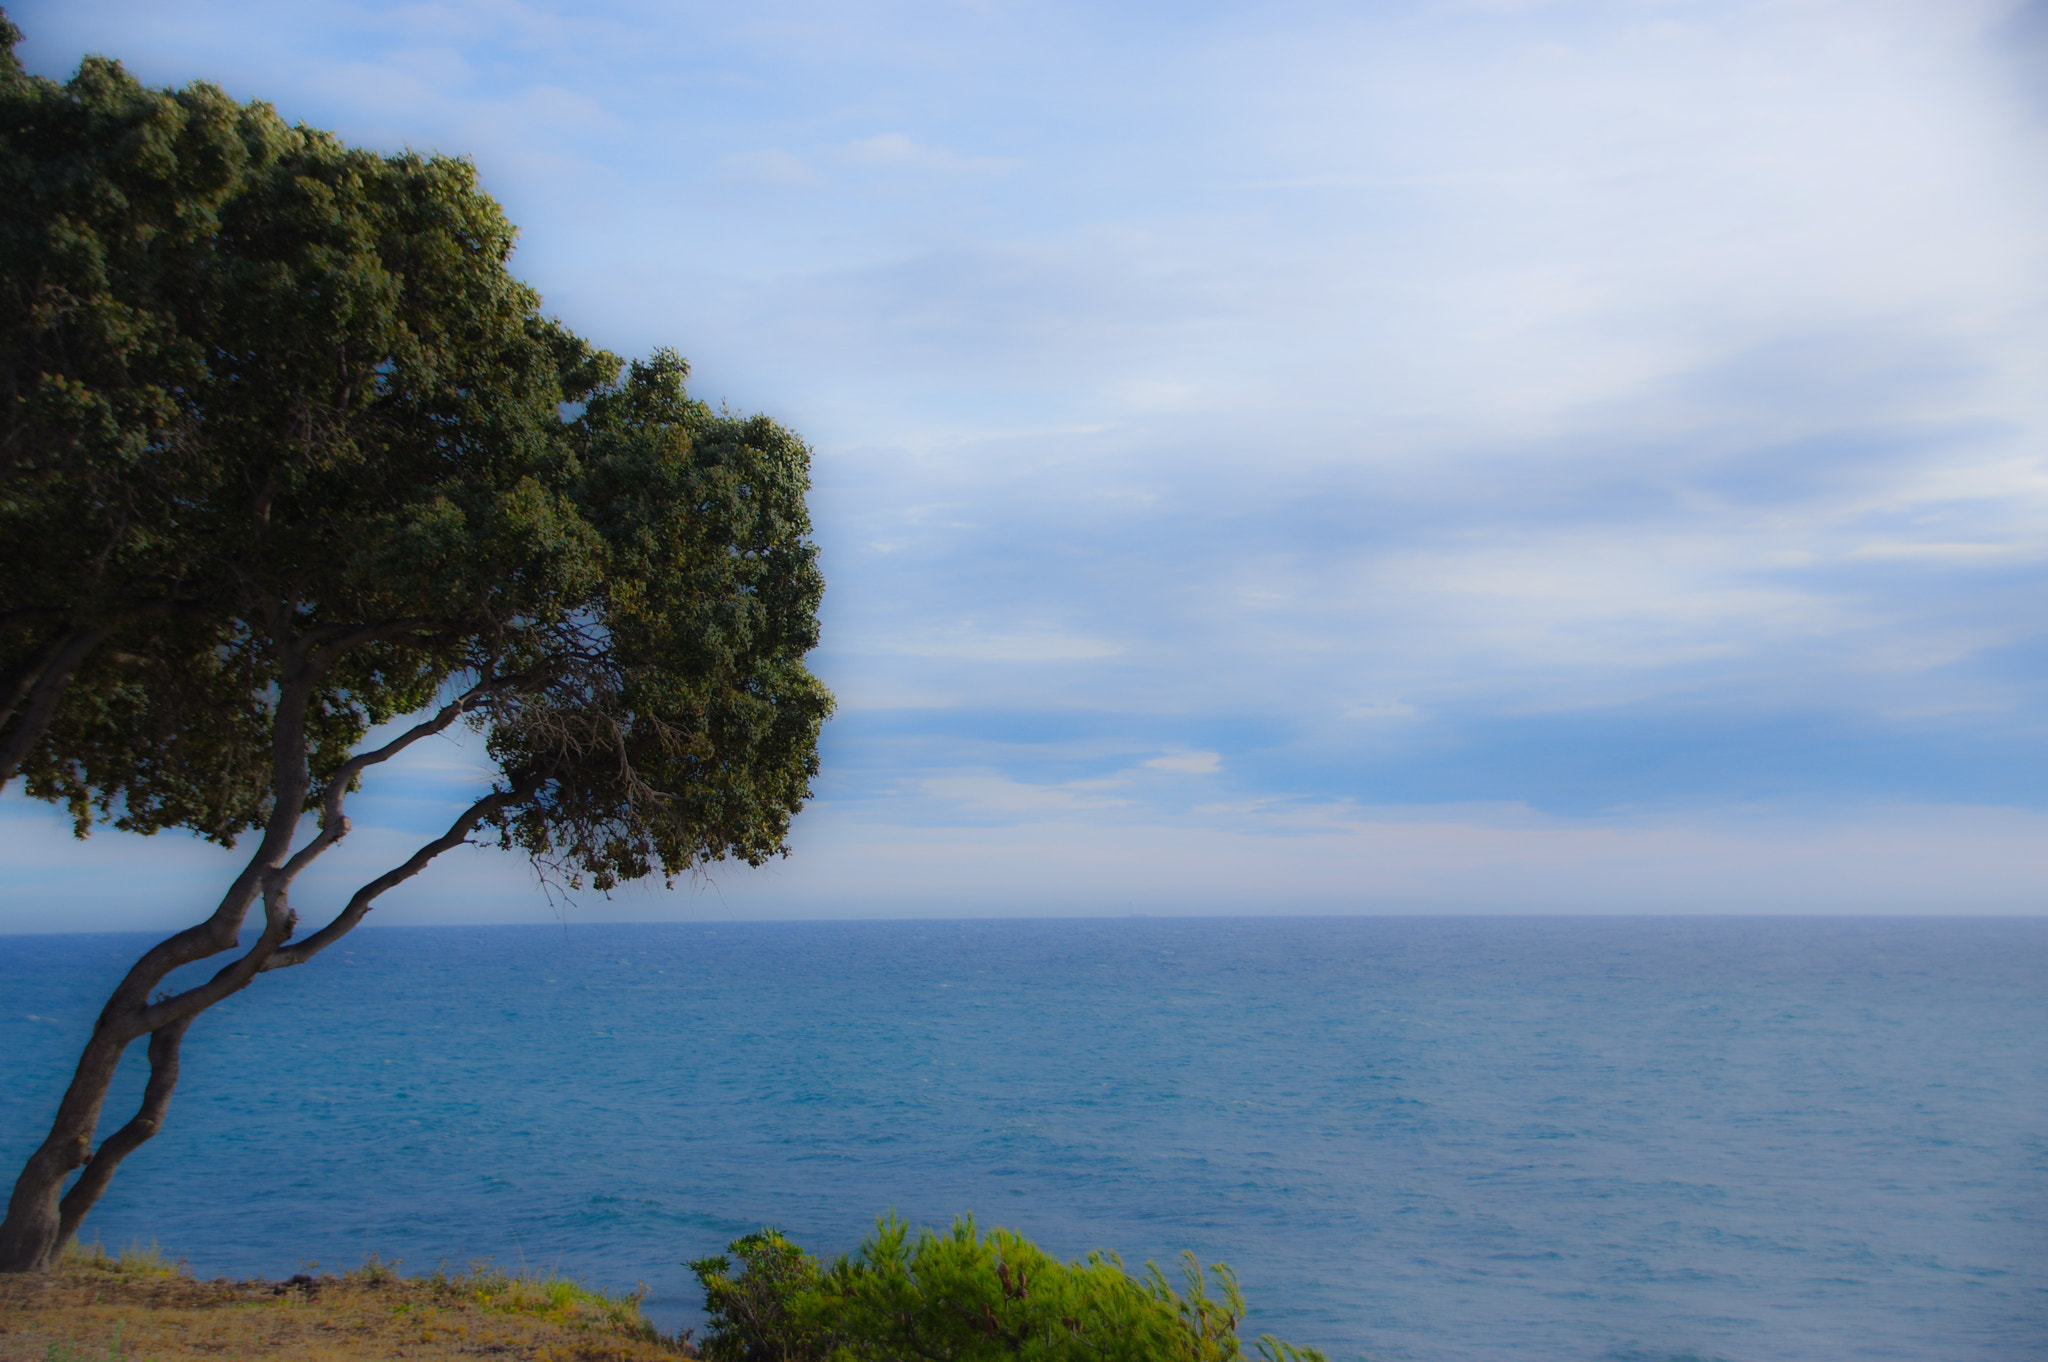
<point x="1460" y="1140"/>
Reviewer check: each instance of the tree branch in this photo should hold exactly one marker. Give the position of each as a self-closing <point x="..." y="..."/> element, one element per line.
<point x="365" y="898"/>
<point x="335" y="639"/>
<point x="232" y="977"/>
<point x="24" y="678"/>
<point x="125" y="1016"/>
<point x="268" y="872"/>
<point x="43" y="695"/>
<point x="334" y="823"/>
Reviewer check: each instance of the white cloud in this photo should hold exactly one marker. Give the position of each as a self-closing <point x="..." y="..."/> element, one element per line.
<point x="970" y="642"/>
<point x="1221" y="387"/>
<point x="999" y="794"/>
<point x="770" y="167"/>
<point x="1383" y="710"/>
<point x="895" y="151"/>
<point x="1188" y="763"/>
<point x="1336" y="859"/>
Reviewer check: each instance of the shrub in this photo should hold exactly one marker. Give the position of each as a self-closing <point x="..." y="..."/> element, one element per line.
<point x="748" y="1317"/>
<point x="966" y="1297"/>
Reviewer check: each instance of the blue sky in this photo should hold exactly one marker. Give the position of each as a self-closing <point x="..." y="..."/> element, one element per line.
<point x="1485" y="456"/>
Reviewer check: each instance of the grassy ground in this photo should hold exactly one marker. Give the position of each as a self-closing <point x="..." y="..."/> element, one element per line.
<point x="141" y="1307"/>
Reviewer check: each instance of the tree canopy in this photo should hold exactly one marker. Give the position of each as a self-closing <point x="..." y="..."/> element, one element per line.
<point x="288" y="454"/>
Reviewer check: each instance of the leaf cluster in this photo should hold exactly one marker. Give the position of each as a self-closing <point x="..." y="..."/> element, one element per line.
<point x="966" y="1297"/>
<point x="277" y="414"/>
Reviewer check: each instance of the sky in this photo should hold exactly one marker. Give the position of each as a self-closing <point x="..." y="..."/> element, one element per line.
<point x="1481" y="456"/>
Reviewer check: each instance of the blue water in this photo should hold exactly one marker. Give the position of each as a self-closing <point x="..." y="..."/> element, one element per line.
<point x="1493" y="1138"/>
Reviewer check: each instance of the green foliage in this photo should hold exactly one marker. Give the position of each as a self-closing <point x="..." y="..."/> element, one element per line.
<point x="965" y="1297"/>
<point x="276" y="411"/>
<point x="536" y="1295"/>
<point x="749" y="1316"/>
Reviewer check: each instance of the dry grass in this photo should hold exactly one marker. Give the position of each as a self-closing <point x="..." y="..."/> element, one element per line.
<point x="142" y="1307"/>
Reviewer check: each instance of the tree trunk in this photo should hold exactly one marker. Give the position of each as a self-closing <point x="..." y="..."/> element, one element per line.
<point x="147" y="1121"/>
<point x="33" y="1232"/>
<point x="39" y="1223"/>
<point x="41" y="1216"/>
<point x="29" y="1235"/>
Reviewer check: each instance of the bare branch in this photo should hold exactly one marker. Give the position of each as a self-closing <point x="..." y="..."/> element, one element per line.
<point x="365" y="898"/>
<point x="267" y="873"/>
<point x="332" y="640"/>
<point x="232" y="978"/>
<point x="25" y="677"/>
<point x="334" y="823"/>
<point x="43" y="696"/>
<point x="125" y="1016"/>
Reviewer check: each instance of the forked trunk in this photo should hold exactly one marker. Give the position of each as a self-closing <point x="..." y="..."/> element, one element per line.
<point x="147" y="1121"/>
<point x="30" y="1238"/>
<point x="41" y="1216"/>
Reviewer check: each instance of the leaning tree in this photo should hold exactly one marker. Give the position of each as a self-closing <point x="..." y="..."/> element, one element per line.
<point x="293" y="475"/>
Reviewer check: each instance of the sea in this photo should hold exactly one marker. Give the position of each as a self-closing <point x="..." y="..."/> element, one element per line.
<point x="1486" y="1139"/>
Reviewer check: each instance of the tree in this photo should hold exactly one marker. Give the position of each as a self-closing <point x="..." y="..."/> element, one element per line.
<point x="289" y="457"/>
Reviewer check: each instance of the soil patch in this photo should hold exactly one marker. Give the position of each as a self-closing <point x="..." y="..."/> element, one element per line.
<point x="140" y="1307"/>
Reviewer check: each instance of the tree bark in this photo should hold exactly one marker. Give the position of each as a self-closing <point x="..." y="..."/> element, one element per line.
<point x="41" y="1216"/>
<point x="147" y="1121"/>
<point x="22" y="679"/>
<point x="36" y="1226"/>
<point x="42" y="697"/>
<point x="30" y="1236"/>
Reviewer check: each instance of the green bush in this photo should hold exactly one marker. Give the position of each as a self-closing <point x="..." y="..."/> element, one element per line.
<point x="749" y="1317"/>
<point x="965" y="1297"/>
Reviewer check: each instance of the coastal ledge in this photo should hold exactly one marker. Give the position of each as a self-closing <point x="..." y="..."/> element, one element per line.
<point x="96" y="1307"/>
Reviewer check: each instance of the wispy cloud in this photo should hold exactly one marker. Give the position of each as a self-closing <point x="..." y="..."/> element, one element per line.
<point x="771" y="166"/>
<point x="895" y="151"/>
<point x="1188" y="763"/>
<point x="1571" y="406"/>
